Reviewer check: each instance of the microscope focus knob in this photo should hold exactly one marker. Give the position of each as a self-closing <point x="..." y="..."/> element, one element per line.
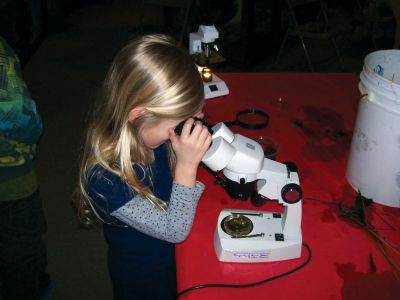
<point x="291" y="193"/>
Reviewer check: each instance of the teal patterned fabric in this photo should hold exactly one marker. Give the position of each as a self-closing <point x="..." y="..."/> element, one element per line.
<point x="20" y="123"/>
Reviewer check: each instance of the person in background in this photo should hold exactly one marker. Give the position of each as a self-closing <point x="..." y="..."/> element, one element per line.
<point x="23" y="258"/>
<point x="137" y="175"/>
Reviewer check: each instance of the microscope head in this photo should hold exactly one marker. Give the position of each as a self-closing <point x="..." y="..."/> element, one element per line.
<point x="203" y="40"/>
<point x="245" y="168"/>
<point x="239" y="157"/>
<point x="208" y="34"/>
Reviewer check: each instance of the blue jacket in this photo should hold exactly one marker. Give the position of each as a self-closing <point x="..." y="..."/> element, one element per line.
<point x="20" y="129"/>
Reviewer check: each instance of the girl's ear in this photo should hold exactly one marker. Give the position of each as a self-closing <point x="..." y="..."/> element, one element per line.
<point x="136" y="112"/>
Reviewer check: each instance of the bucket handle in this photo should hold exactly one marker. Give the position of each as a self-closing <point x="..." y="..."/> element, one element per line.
<point x="363" y="91"/>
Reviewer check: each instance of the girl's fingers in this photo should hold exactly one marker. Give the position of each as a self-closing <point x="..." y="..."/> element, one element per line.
<point x="193" y="133"/>
<point x="200" y="129"/>
<point x="204" y="134"/>
<point x="208" y="141"/>
<point x="187" y="127"/>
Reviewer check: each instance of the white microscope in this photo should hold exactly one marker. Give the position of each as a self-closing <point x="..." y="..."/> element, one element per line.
<point x="252" y="235"/>
<point x="204" y="41"/>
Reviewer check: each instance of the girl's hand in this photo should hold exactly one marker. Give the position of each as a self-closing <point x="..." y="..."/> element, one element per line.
<point x="189" y="150"/>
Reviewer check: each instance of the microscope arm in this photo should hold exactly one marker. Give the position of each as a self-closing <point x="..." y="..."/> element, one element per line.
<point x="276" y="181"/>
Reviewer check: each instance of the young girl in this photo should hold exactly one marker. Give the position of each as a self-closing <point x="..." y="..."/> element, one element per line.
<point x="137" y="175"/>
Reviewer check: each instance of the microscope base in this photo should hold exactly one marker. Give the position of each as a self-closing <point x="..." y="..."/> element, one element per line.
<point x="215" y="88"/>
<point x="265" y="242"/>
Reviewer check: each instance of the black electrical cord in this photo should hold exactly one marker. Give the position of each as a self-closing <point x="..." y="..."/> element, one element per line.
<point x="222" y="285"/>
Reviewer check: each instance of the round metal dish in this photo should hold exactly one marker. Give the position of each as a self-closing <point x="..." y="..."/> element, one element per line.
<point x="237" y="225"/>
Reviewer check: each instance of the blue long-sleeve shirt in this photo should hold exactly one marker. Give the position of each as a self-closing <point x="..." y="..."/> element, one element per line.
<point x="140" y="236"/>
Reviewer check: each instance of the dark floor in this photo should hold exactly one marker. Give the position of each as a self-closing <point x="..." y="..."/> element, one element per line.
<point x="63" y="76"/>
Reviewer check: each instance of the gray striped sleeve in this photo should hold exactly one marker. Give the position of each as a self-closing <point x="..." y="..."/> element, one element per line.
<point x="172" y="225"/>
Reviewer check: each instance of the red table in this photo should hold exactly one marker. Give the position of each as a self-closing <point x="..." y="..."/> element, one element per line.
<point x="311" y="117"/>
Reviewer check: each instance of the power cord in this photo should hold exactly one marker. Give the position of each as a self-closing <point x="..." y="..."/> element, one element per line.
<point x="223" y="285"/>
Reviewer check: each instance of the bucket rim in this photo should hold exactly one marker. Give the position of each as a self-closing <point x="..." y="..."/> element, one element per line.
<point x="371" y="70"/>
<point x="387" y="81"/>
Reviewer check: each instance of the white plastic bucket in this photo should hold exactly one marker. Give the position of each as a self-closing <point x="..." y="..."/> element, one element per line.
<point x="373" y="167"/>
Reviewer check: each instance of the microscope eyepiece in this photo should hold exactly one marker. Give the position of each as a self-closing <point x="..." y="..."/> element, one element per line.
<point x="179" y="127"/>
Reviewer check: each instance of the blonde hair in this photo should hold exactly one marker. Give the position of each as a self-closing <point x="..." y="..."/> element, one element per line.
<point x="152" y="72"/>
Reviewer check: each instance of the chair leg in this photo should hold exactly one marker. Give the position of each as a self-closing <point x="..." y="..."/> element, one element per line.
<point x="185" y="22"/>
<point x="310" y="65"/>
<point x="337" y="52"/>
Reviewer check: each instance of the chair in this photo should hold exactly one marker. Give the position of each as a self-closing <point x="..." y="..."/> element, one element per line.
<point x="314" y="28"/>
<point x="395" y="6"/>
<point x="375" y="14"/>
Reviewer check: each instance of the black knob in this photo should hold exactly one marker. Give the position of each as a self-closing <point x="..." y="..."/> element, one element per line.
<point x="291" y="193"/>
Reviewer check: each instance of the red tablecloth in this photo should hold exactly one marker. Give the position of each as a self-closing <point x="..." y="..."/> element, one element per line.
<point x="311" y="117"/>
